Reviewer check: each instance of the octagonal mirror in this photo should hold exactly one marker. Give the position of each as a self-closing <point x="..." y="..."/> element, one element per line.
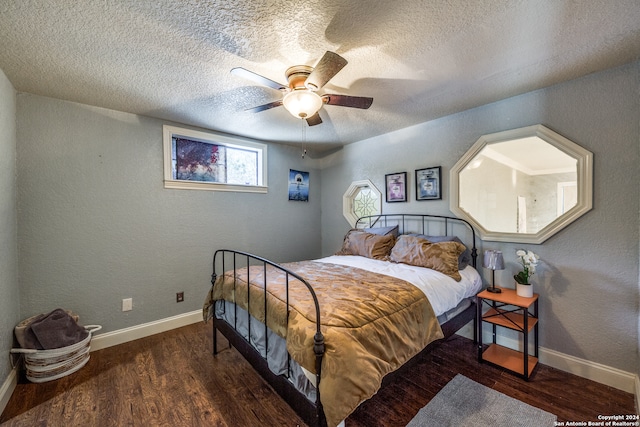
<point x="522" y="185"/>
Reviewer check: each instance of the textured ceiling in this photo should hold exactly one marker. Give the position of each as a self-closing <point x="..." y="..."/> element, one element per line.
<point x="419" y="60"/>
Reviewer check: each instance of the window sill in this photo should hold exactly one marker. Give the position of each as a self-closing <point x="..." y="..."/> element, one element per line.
<point x="213" y="186"/>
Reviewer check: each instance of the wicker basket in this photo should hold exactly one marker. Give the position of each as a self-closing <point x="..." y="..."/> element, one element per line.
<point x="48" y="365"/>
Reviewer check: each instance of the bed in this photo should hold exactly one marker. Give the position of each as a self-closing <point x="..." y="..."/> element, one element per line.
<point x="326" y="334"/>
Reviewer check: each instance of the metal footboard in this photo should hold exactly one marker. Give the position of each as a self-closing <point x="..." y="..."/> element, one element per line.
<point x="226" y="260"/>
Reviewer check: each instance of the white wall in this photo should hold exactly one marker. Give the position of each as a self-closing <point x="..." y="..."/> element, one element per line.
<point x="9" y="309"/>
<point x="497" y="211"/>
<point x="97" y="226"/>
<point x="588" y="280"/>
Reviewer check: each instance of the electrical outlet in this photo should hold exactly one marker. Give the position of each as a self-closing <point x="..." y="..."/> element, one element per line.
<point x="127" y="304"/>
<point x="180" y="297"/>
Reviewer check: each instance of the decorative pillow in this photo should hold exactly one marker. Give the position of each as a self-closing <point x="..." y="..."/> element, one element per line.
<point x="383" y="231"/>
<point x="465" y="257"/>
<point x="358" y="242"/>
<point x="418" y="251"/>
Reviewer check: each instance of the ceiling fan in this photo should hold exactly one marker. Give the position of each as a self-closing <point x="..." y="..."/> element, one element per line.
<point x="300" y="97"/>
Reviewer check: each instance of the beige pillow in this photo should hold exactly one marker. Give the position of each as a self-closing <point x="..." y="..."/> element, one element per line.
<point x="358" y="242"/>
<point x="442" y="256"/>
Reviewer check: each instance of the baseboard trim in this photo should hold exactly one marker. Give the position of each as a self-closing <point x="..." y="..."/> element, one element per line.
<point x="597" y="372"/>
<point x="122" y="336"/>
<point x="7" y="388"/>
<point x="637" y="394"/>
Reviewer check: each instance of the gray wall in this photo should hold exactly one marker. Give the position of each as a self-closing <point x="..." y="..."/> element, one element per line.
<point x="9" y="308"/>
<point x="588" y="280"/>
<point x="97" y="226"/>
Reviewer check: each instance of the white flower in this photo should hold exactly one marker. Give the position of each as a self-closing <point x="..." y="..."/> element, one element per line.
<point x="529" y="261"/>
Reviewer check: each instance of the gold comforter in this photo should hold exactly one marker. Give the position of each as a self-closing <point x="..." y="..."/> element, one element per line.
<point x="371" y="323"/>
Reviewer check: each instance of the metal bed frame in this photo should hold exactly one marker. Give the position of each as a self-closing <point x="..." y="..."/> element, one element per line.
<point x="312" y="412"/>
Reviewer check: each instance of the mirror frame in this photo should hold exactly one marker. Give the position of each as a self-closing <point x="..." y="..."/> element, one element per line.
<point x="584" y="181"/>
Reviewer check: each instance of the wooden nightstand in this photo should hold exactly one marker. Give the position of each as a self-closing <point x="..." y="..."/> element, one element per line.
<point x="508" y="310"/>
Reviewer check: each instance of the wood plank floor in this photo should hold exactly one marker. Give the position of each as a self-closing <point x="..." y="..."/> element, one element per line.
<point x="172" y="379"/>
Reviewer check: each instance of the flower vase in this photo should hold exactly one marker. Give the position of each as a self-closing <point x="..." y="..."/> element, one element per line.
<point x="524" y="290"/>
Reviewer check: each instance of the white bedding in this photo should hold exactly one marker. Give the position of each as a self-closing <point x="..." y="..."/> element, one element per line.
<point x="443" y="292"/>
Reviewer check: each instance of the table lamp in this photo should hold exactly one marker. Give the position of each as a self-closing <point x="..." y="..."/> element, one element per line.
<point x="493" y="260"/>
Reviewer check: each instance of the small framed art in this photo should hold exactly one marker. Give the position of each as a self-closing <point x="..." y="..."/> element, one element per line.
<point x="298" y="186"/>
<point x="396" y="185"/>
<point x="428" y="184"/>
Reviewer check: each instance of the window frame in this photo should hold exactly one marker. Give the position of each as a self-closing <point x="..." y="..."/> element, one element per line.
<point x="351" y="193"/>
<point x="169" y="132"/>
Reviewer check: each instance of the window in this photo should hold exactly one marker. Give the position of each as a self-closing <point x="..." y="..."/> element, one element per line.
<point x="207" y="161"/>
<point x="362" y="198"/>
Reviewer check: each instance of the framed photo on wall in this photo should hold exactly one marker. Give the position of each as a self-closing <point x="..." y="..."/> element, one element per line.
<point x="298" y="185"/>
<point x="396" y="185"/>
<point x="428" y="184"/>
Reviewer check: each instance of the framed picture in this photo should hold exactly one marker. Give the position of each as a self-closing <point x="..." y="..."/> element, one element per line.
<point x="428" y="184"/>
<point x="396" y="185"/>
<point x="298" y="186"/>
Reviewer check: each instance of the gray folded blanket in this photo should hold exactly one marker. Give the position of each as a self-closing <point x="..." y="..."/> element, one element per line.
<point x="54" y="330"/>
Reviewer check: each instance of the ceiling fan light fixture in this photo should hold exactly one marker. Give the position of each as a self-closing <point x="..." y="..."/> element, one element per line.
<point x="300" y="97"/>
<point x="302" y="103"/>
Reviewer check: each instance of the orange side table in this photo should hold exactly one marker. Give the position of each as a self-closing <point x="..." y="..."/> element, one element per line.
<point x="508" y="310"/>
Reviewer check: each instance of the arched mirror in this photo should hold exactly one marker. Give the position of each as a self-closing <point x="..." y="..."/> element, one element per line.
<point x="522" y="185"/>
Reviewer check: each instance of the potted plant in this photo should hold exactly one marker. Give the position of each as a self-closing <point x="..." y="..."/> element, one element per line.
<point x="529" y="261"/>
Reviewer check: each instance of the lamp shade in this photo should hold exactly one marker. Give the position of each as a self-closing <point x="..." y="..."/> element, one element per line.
<point x="493" y="260"/>
<point x="302" y="103"/>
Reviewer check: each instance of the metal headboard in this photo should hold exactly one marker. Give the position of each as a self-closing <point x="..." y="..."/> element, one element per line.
<point x="423" y="224"/>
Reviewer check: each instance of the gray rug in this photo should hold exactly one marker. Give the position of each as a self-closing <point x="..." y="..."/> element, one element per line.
<point x="463" y="402"/>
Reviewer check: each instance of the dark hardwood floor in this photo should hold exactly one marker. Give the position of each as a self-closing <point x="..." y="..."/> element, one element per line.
<point x="172" y="379"/>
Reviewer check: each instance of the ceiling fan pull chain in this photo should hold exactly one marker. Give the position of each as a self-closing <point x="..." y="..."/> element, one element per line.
<point x="304" y="137"/>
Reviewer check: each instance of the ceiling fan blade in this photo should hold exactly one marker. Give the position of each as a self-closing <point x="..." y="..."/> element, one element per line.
<point x="348" y="101"/>
<point x="324" y="71"/>
<point x="250" y="75"/>
<point x="265" y="106"/>
<point x="314" y="120"/>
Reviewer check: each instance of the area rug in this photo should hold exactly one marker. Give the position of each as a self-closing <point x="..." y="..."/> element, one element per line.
<point x="463" y="402"/>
